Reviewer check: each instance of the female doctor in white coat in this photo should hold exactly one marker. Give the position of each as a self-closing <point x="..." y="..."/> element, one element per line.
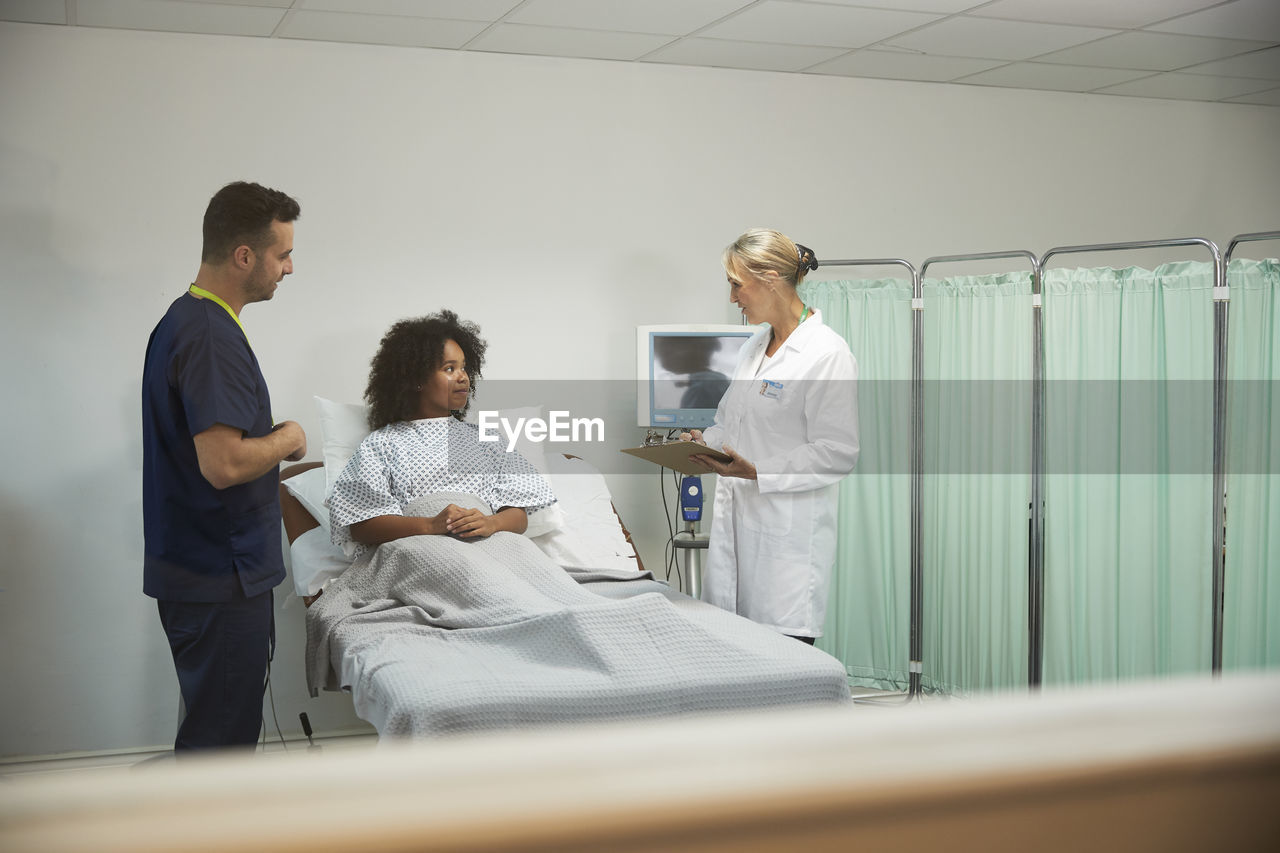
<point x="790" y="423"/>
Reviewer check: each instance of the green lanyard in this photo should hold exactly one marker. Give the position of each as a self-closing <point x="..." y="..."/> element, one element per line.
<point x="803" y="314"/>
<point x="201" y="292"/>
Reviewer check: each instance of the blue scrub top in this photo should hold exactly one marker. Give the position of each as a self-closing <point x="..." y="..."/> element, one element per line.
<point x="204" y="544"/>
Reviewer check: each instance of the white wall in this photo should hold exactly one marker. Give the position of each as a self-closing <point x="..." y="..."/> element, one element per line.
<point x="557" y="202"/>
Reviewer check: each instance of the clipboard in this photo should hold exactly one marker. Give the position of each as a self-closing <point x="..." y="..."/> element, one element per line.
<point x="675" y="455"/>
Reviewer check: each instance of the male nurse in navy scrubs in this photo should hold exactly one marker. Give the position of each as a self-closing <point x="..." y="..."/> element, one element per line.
<point x="211" y="456"/>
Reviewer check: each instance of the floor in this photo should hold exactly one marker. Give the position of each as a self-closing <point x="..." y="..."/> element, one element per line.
<point x="106" y="764"/>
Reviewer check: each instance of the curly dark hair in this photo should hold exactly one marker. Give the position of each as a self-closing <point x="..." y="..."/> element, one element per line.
<point x="410" y="351"/>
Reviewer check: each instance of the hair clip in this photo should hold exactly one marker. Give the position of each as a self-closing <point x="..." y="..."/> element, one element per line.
<point x="812" y="263"/>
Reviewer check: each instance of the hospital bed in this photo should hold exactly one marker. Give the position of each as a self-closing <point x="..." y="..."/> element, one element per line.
<point x="436" y="643"/>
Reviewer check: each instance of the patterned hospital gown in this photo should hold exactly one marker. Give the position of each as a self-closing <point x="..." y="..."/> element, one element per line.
<point x="403" y="461"/>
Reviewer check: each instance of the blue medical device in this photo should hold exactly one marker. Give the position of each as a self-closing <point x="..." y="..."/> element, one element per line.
<point x="691" y="498"/>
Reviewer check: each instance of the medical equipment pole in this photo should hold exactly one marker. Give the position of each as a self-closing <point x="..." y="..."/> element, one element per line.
<point x="916" y="646"/>
<point x="695" y="548"/>
<point x="1220" y="298"/>
<point x="1035" y="510"/>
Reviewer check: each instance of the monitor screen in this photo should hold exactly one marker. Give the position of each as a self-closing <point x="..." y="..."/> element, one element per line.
<point x="683" y="371"/>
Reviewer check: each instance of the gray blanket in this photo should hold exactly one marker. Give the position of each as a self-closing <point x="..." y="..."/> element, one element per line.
<point x="436" y="635"/>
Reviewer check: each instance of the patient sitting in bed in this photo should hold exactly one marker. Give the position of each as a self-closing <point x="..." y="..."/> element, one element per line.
<point x="420" y="385"/>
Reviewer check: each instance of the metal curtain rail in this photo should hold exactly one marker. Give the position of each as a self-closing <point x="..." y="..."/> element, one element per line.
<point x="916" y="648"/>
<point x="1248" y="238"/>
<point x="1035" y="511"/>
<point x="981" y="256"/>
<point x="1220" y="301"/>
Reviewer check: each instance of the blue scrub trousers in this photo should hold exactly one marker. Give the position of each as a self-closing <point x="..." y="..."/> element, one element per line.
<point x="220" y="651"/>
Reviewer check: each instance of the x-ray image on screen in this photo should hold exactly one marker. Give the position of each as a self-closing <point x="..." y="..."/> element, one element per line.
<point x="683" y="369"/>
<point x="692" y="371"/>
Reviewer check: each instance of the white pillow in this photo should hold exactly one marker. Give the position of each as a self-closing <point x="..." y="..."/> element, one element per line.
<point x="592" y="536"/>
<point x="310" y="488"/>
<point x="342" y="427"/>
<point x="545" y="520"/>
<point x="314" y="560"/>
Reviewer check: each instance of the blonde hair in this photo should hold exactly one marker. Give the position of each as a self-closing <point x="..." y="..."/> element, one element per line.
<point x="761" y="251"/>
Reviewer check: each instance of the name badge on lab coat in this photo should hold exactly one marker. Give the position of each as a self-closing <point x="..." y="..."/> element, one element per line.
<point x="770" y="389"/>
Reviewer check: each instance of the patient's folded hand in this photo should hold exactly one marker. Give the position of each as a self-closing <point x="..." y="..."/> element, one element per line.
<point x="440" y="523"/>
<point x="468" y="523"/>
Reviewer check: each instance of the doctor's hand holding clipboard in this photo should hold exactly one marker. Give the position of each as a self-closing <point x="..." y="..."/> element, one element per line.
<point x="737" y="467"/>
<point x="789" y="422"/>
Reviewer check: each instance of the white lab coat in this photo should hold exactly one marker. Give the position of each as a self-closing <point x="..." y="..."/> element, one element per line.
<point x="773" y="539"/>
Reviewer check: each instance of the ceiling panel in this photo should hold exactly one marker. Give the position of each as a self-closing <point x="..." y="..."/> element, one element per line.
<point x="558" y="41"/>
<point x="279" y="4"/>
<point x="1151" y="51"/>
<point x="1270" y="98"/>
<point x="747" y="55"/>
<point x="1121" y="14"/>
<point x="458" y="10"/>
<point x="1240" y="19"/>
<point x="938" y="7"/>
<point x="380" y="29"/>
<point x="179" y="17"/>
<point x="1263" y="64"/>
<point x="670" y="17"/>
<point x="991" y="39"/>
<point x="782" y="22"/>
<point x="1105" y="46"/>
<point x="1194" y="87"/>
<point x="34" y="11"/>
<point x="900" y="65"/>
<point x="1062" y="78"/>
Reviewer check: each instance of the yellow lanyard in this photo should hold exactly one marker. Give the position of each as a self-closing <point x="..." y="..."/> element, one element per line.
<point x="201" y="292"/>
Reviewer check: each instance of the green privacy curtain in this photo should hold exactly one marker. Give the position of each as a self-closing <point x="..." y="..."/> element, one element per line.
<point x="869" y="606"/>
<point x="1128" y="485"/>
<point x="1251" y="612"/>
<point x="977" y="481"/>
<point x="1129" y="472"/>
